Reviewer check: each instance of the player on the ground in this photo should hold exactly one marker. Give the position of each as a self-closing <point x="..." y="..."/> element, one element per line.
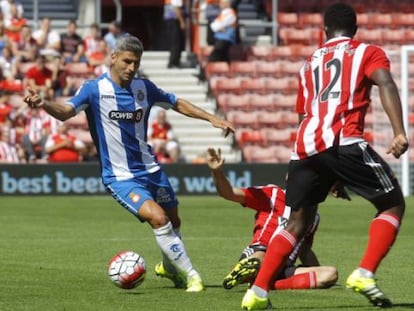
<point x="271" y="217"/>
<point x="333" y="99"/>
<point x="117" y="106"/>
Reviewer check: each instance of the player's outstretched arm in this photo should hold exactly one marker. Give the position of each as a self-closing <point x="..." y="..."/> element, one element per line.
<point x="215" y="162"/>
<point x="57" y="110"/>
<point x="186" y="108"/>
<point x="390" y="100"/>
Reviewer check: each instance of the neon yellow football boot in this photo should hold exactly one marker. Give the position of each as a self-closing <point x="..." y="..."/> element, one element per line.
<point x="178" y="280"/>
<point x="253" y="302"/>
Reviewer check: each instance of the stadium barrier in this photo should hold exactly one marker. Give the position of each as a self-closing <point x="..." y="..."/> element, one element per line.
<point x="84" y="178"/>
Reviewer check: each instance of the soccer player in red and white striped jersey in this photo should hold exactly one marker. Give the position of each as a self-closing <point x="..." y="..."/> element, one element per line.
<point x="333" y="98"/>
<point x="271" y="217"/>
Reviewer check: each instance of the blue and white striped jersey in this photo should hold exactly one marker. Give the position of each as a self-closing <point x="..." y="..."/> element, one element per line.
<point x="118" y="122"/>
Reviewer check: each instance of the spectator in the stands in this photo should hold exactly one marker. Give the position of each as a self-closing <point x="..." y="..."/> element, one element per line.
<point x="95" y="46"/>
<point x="8" y="152"/>
<point x="114" y="32"/>
<point x="15" y="24"/>
<point x="71" y="44"/>
<point x="4" y="40"/>
<point x="26" y="48"/>
<point x="38" y="127"/>
<point x="8" y="64"/>
<point x="64" y="147"/>
<point x="47" y="39"/>
<point x="5" y="107"/>
<point x="39" y="78"/>
<point x="174" y="21"/>
<point x="5" y="7"/>
<point x="63" y="84"/>
<point x="161" y="138"/>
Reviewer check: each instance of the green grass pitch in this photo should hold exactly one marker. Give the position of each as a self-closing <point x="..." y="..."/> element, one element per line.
<point x="54" y="253"/>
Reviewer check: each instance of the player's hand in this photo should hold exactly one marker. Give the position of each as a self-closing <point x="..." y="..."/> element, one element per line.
<point x="33" y="99"/>
<point x="398" y="146"/>
<point x="338" y="191"/>
<point x="214" y="158"/>
<point x="225" y="125"/>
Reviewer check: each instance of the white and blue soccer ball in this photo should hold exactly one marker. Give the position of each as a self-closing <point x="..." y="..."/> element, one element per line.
<point x="127" y="269"/>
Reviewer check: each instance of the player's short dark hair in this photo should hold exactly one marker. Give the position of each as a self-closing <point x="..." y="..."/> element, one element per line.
<point x="340" y="16"/>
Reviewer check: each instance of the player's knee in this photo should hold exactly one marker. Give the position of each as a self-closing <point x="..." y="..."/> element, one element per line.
<point x="158" y="220"/>
<point x="328" y="277"/>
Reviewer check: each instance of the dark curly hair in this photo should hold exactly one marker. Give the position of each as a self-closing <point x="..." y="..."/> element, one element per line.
<point x="340" y="17"/>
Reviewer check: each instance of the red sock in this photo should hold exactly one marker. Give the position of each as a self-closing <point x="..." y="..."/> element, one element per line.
<point x="277" y="252"/>
<point x="382" y="234"/>
<point x="299" y="281"/>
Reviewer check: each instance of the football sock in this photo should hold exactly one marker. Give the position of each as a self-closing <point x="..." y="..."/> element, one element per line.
<point x="382" y="234"/>
<point x="299" y="281"/>
<point x="173" y="249"/>
<point x="277" y="252"/>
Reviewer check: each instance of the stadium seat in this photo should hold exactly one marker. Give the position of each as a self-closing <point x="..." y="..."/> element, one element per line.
<point x="259" y="154"/>
<point x="373" y="36"/>
<point x="250" y="137"/>
<point x="16" y="100"/>
<point x="278" y="137"/>
<point x="284" y="101"/>
<point x="243" y="68"/>
<point x="307" y="19"/>
<point x="380" y="20"/>
<point x="363" y="19"/>
<point x="305" y="51"/>
<point x="284" y="85"/>
<point x="285" y="52"/>
<point x="270" y="119"/>
<point x="269" y="69"/>
<point x="231" y="102"/>
<point x="220" y="85"/>
<point x="292" y="68"/>
<point x="262" y="102"/>
<point x="402" y="19"/>
<point x="288" y="19"/>
<point x="395" y="36"/>
<point x="242" y="119"/>
<point x="217" y="69"/>
<point x="257" y="85"/>
<point x="259" y="52"/>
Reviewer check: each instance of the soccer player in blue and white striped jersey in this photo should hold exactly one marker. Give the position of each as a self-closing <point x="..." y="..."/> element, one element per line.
<point x="117" y="106"/>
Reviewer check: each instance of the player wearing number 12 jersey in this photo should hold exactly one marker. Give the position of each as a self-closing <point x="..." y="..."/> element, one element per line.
<point x="333" y="99"/>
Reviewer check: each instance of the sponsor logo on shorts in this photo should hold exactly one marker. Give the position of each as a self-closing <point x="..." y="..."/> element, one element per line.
<point x="134" y="197"/>
<point x="163" y="196"/>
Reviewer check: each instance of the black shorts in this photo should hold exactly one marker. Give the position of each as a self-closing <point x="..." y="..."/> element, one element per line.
<point x="286" y="272"/>
<point x="357" y="166"/>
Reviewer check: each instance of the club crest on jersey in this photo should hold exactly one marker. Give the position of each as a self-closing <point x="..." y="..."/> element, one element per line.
<point x="140" y="95"/>
<point x="133" y="116"/>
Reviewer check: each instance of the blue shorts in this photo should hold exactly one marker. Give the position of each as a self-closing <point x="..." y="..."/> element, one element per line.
<point x="132" y="193"/>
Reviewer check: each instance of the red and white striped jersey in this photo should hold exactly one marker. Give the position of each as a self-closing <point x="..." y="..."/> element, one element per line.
<point x="272" y="216"/>
<point x="334" y="94"/>
<point x="8" y="153"/>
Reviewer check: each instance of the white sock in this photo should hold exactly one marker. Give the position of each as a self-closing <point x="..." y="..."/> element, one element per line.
<point x="366" y="273"/>
<point x="259" y="291"/>
<point x="173" y="249"/>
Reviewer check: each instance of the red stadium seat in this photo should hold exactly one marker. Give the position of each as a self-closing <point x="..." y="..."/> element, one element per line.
<point x="215" y="69"/>
<point x="78" y="69"/>
<point x="373" y="36"/>
<point x="242" y="119"/>
<point x="380" y="20"/>
<point x="281" y="85"/>
<point x="288" y="19"/>
<point x="231" y="102"/>
<point x="259" y="52"/>
<point x="278" y="137"/>
<point x="394" y="36"/>
<point x="363" y="19"/>
<point x="243" y="68"/>
<point x="402" y="19"/>
<point x="258" y="154"/>
<point x="257" y="85"/>
<point x="269" y="69"/>
<point x="307" y="19"/>
<point x="262" y="102"/>
<point x="270" y="119"/>
<point x="221" y="85"/>
<point x="250" y="137"/>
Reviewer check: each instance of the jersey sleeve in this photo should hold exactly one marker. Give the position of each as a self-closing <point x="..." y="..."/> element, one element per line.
<point x="80" y="101"/>
<point x="159" y="97"/>
<point x="375" y="59"/>
<point x="256" y="198"/>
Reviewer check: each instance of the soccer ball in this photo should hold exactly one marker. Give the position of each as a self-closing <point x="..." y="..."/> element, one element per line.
<point x="127" y="269"/>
